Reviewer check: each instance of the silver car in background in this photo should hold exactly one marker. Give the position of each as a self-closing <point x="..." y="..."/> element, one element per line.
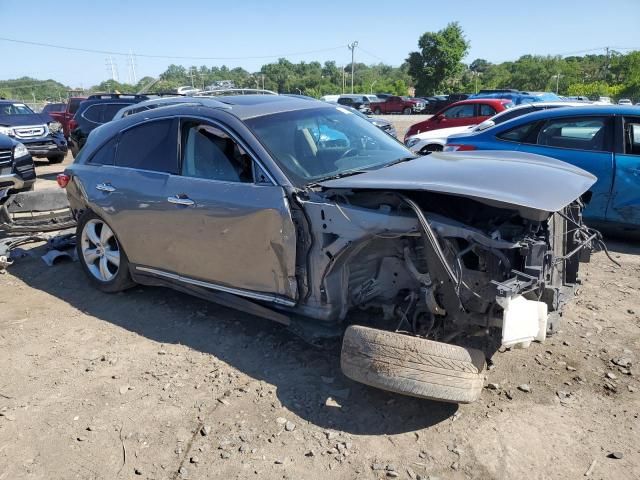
<point x="308" y="215"/>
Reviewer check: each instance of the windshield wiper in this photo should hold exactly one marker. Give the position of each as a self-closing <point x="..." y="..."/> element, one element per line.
<point x="337" y="175"/>
<point x="399" y="160"/>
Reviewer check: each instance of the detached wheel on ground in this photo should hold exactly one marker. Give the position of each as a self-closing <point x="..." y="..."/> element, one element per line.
<point x="57" y="158"/>
<point x="101" y="255"/>
<point x="411" y="365"/>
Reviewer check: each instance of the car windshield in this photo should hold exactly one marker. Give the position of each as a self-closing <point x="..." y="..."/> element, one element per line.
<point x="315" y="144"/>
<point x="15" y="109"/>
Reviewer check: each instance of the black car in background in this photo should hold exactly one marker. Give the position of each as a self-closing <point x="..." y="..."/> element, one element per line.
<point x="94" y="111"/>
<point x="17" y="172"/>
<point x="38" y="132"/>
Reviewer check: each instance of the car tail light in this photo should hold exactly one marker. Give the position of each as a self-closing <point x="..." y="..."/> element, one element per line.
<point x="63" y="180"/>
<point x="72" y="124"/>
<point x="455" y="147"/>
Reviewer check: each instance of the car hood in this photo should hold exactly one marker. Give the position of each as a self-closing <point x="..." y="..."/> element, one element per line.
<point x="499" y="178"/>
<point x="20" y="120"/>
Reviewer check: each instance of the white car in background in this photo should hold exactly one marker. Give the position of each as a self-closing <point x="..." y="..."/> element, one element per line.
<point x="434" y="140"/>
<point x="625" y="101"/>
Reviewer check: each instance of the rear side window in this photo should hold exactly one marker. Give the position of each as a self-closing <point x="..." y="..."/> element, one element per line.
<point x="509" y="114"/>
<point x="518" y="134"/>
<point x="632" y="136"/>
<point x="105" y="155"/>
<point x="93" y="113"/>
<point x="102" y="112"/>
<point x="150" y="146"/>
<point x="582" y="133"/>
<point x="487" y="111"/>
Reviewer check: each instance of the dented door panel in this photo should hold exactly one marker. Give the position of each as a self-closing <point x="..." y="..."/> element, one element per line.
<point x="238" y="235"/>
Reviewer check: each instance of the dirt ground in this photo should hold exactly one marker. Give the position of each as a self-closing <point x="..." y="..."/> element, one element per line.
<point x="155" y="384"/>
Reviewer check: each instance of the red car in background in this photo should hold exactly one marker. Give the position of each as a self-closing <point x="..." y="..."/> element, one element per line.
<point x="462" y="113"/>
<point x="66" y="115"/>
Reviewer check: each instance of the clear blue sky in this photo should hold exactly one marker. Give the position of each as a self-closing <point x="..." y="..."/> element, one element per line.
<point x="498" y="30"/>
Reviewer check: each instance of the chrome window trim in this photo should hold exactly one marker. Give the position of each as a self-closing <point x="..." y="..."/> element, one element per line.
<point x="199" y="283"/>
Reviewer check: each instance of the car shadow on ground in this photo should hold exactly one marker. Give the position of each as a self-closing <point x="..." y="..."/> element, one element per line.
<point x="47" y="176"/>
<point x="304" y="376"/>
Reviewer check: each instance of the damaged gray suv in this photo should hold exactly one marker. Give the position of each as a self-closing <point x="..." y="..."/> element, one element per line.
<point x="306" y="214"/>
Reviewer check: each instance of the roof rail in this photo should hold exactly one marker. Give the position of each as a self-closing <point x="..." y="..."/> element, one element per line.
<point x="161" y="94"/>
<point x="234" y="91"/>
<point x="115" y="95"/>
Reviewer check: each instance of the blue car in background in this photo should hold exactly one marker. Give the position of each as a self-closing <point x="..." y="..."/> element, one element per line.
<point x="601" y="139"/>
<point x="518" y="97"/>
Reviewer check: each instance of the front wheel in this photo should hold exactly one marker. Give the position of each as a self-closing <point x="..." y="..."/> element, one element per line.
<point x="411" y="365"/>
<point x="406" y="111"/>
<point x="431" y="148"/>
<point x="101" y="255"/>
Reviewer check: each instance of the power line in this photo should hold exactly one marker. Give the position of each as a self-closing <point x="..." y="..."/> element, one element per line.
<point x="167" y="57"/>
<point x="373" y="55"/>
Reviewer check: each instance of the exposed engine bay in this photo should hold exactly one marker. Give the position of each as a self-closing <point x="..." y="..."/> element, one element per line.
<point x="438" y="265"/>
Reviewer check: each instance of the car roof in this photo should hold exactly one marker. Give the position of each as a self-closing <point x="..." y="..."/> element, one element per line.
<point x="489" y="101"/>
<point x="588" y="109"/>
<point x="251" y="106"/>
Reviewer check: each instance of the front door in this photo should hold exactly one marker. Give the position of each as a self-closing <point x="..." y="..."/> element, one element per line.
<point x="624" y="206"/>
<point x="582" y="141"/>
<point x="231" y="227"/>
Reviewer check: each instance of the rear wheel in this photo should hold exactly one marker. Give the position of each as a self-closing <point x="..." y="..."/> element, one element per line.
<point x="377" y="111"/>
<point x="411" y="365"/>
<point x="101" y="255"/>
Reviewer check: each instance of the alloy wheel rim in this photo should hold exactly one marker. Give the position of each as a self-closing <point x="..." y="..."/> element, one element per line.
<point x="100" y="250"/>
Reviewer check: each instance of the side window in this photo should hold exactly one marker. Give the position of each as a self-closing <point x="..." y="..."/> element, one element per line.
<point x="509" y="114"/>
<point x="105" y="154"/>
<point x="583" y="133"/>
<point x="460" y="111"/>
<point x="632" y="136"/>
<point x="93" y="113"/>
<point x="150" y="146"/>
<point x="110" y="110"/>
<point x="210" y="153"/>
<point x="519" y="134"/>
<point x="487" y="110"/>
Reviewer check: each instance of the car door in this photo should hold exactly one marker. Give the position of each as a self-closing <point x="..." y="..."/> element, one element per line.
<point x="230" y="224"/>
<point x="584" y="141"/>
<point x="394" y="105"/>
<point x="456" y="116"/>
<point x="128" y="190"/>
<point x="624" y="205"/>
<point x="483" y="111"/>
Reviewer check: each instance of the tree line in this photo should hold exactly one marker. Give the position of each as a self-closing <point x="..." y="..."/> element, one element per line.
<point x="436" y="67"/>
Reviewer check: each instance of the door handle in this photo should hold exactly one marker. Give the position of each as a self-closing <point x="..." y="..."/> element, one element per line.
<point x="181" y="200"/>
<point x="105" y="187"/>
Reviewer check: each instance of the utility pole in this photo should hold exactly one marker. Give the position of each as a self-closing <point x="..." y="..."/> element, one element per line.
<point x="191" y="74"/>
<point x="132" y="68"/>
<point x="557" y="75"/>
<point x="352" y="47"/>
<point x="263" y="81"/>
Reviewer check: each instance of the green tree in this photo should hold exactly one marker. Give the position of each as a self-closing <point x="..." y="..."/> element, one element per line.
<point x="438" y="60"/>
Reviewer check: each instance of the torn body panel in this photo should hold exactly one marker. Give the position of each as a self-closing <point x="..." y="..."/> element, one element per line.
<point x="370" y="249"/>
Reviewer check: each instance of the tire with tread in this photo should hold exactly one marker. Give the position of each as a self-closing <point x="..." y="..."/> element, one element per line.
<point x="412" y="366"/>
<point x="57" y="158"/>
<point x="122" y="280"/>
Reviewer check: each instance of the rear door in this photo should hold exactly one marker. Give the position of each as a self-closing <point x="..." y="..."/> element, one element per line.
<point x="129" y="189"/>
<point x="230" y="224"/>
<point x="584" y="141"/>
<point x="624" y="206"/>
<point x="457" y="116"/>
